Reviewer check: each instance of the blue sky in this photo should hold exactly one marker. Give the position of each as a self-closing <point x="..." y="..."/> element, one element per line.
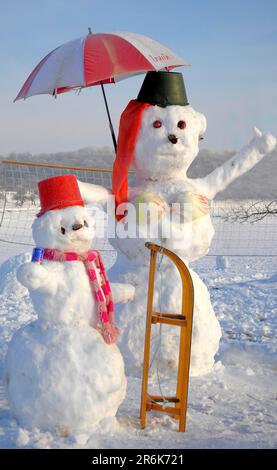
<point x="231" y="45"/>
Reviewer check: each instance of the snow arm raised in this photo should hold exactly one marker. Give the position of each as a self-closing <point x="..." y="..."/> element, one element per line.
<point x="247" y="158"/>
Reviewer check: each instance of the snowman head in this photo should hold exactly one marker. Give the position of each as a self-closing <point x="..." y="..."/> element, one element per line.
<point x="168" y="141"/>
<point x="69" y="229"/>
<point x="63" y="222"/>
<point x="159" y="133"/>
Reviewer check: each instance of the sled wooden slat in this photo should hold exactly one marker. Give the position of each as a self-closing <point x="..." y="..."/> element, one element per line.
<point x="170" y="315"/>
<point x="158" y="398"/>
<point x="163" y="409"/>
<point x="178" y="320"/>
<point x="184" y="321"/>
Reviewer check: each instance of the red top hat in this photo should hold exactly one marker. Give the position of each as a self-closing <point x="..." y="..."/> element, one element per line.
<point x="59" y="192"/>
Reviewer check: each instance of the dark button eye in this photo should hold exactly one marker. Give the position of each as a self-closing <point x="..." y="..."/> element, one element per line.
<point x="63" y="230"/>
<point x="85" y="223"/>
<point x="157" y="124"/>
<point x="182" y="124"/>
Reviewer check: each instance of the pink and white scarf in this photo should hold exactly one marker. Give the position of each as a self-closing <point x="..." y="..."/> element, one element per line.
<point x="101" y="290"/>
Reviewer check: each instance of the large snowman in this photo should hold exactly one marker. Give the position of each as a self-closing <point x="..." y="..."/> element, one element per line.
<point x="64" y="372"/>
<point x="159" y="137"/>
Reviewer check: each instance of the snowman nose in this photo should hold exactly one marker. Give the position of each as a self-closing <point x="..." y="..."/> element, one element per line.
<point x="173" y="139"/>
<point x="77" y="226"/>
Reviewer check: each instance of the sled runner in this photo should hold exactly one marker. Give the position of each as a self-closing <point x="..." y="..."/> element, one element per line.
<point x="184" y="321"/>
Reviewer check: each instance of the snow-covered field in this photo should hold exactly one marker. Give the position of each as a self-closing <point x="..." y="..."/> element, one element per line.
<point x="235" y="406"/>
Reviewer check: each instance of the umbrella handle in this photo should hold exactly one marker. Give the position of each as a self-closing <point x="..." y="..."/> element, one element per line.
<point x="109" y="117"/>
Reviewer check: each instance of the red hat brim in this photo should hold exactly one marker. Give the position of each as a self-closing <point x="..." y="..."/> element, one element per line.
<point x="61" y="206"/>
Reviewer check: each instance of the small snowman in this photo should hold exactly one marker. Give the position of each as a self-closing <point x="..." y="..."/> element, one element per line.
<point x="159" y="137"/>
<point x="64" y="372"/>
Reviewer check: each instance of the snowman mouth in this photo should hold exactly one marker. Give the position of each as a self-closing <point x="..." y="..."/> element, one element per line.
<point x="78" y="239"/>
<point x="172" y="149"/>
<point x="169" y="155"/>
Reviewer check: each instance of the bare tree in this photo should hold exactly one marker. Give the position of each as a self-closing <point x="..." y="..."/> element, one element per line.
<point x="251" y="212"/>
<point x="19" y="197"/>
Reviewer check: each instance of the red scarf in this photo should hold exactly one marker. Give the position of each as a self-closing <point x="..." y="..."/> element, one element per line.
<point x="129" y="127"/>
<point x="101" y="291"/>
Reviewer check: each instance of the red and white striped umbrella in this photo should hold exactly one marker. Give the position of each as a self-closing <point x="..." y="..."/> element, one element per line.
<point x="96" y="59"/>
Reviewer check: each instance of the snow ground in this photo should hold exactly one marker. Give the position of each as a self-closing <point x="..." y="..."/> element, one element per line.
<point x="235" y="406"/>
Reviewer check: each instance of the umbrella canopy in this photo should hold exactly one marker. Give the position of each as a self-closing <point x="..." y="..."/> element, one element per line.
<point x="95" y="59"/>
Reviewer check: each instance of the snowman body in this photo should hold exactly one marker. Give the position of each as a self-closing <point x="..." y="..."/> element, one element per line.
<point x="61" y="375"/>
<point x="63" y="379"/>
<point x="167" y="143"/>
<point x="132" y="254"/>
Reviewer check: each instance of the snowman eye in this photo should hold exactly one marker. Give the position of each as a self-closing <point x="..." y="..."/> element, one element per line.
<point x="157" y="124"/>
<point x="182" y="124"/>
<point x="63" y="230"/>
<point x="85" y="223"/>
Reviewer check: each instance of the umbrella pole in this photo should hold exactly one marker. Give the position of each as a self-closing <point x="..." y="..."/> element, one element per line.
<point x="109" y="117"/>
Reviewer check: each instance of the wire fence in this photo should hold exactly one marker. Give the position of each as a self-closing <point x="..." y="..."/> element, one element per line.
<point x="233" y="238"/>
<point x="19" y="204"/>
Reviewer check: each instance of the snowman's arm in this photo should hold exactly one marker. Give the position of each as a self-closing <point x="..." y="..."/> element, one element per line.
<point x="122" y="293"/>
<point x="94" y="193"/>
<point x="247" y="158"/>
<point x="33" y="276"/>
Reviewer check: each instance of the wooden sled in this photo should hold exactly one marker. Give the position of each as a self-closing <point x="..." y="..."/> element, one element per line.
<point x="184" y="321"/>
